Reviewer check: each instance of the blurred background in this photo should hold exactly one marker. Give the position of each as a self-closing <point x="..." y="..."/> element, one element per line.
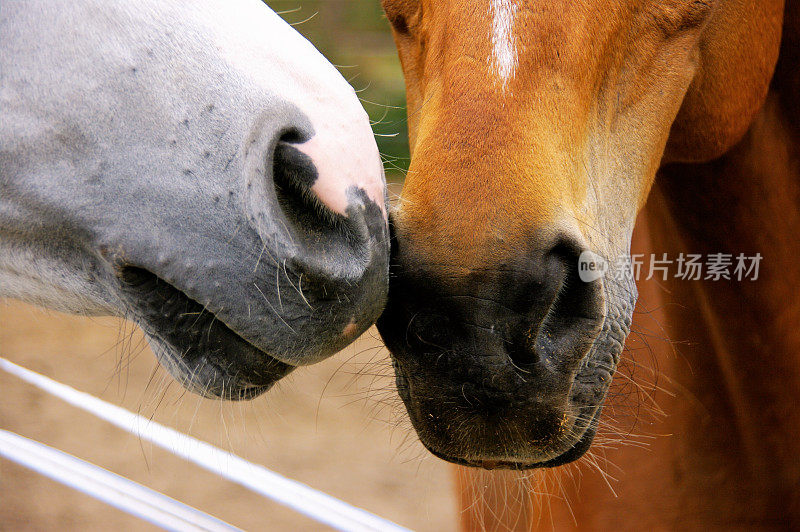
<point x="337" y="426"/>
<point x="355" y="36"/>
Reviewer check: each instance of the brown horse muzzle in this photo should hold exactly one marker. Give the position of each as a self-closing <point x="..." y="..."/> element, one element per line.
<point x="500" y="366"/>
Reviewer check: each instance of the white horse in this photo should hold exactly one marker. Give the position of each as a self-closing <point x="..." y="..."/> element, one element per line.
<point x="197" y="167"/>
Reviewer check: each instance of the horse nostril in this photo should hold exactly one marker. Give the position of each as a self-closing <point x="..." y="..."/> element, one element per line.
<point x="566" y="319"/>
<point x="293" y="174"/>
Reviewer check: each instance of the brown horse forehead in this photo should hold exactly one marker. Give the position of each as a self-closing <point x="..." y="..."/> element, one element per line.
<point x="585" y="19"/>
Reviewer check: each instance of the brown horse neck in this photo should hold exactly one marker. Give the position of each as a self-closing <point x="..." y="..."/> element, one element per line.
<point x="741" y="365"/>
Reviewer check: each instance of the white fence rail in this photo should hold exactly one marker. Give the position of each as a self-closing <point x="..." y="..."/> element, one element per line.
<point x="301" y="498"/>
<point x="106" y="486"/>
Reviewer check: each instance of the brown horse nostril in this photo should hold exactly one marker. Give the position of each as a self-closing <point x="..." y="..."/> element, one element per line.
<point x="563" y="328"/>
<point x="533" y="313"/>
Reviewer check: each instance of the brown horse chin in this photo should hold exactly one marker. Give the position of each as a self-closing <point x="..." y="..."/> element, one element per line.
<point x="575" y="450"/>
<point x="470" y="420"/>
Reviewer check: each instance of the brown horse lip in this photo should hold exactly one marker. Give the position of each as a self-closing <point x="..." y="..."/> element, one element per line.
<point x="574" y="452"/>
<point x="486" y="464"/>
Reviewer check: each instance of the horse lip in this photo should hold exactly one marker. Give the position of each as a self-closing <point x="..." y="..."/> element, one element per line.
<point x="198" y="373"/>
<point x="574" y="452"/>
<point x="489" y="465"/>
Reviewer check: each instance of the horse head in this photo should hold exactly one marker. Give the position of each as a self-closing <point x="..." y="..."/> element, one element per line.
<point x="536" y="132"/>
<point x="198" y="168"/>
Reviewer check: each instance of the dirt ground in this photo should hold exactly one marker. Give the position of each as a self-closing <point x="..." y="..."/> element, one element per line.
<point x="337" y="426"/>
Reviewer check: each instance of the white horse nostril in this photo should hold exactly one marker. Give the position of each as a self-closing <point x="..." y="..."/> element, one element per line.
<point x="345" y="156"/>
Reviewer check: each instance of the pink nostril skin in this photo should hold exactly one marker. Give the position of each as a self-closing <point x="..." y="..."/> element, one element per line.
<point x="345" y="155"/>
<point x="283" y="62"/>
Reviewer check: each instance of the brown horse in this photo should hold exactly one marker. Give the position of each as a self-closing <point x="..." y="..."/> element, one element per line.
<point x="537" y="132"/>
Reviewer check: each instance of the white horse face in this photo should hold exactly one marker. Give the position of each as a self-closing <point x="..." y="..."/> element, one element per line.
<point x="197" y="167"/>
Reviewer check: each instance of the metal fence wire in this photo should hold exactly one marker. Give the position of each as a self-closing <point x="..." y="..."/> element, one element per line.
<point x="153" y="506"/>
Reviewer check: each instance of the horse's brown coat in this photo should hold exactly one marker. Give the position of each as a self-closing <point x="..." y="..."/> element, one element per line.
<point x="680" y="86"/>
<point x="596" y="90"/>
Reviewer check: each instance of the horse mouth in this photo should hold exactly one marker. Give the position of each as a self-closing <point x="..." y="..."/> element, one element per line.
<point x="492" y="448"/>
<point x="573" y="453"/>
<point x="194" y="345"/>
